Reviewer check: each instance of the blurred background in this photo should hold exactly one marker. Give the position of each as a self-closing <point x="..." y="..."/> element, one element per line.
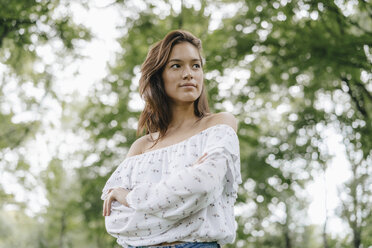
<point x="296" y="73"/>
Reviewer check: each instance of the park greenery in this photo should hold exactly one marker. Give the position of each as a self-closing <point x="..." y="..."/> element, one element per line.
<point x="290" y="71"/>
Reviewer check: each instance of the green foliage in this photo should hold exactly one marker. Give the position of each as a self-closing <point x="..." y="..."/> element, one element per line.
<point x="11" y="134"/>
<point x="293" y="69"/>
<point x="25" y="28"/>
<point x="63" y="216"/>
<point x="18" y="230"/>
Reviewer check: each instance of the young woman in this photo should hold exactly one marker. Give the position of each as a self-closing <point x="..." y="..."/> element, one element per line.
<point x="178" y="185"/>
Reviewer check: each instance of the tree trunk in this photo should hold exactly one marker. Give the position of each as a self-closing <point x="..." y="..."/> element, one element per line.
<point x="63" y="228"/>
<point x="357" y="238"/>
<point x="325" y="242"/>
<point x="288" y="243"/>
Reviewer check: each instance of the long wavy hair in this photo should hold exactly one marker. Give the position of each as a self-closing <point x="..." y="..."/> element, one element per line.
<point x="157" y="113"/>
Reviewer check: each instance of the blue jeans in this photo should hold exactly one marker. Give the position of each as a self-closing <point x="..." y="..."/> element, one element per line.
<point x="185" y="245"/>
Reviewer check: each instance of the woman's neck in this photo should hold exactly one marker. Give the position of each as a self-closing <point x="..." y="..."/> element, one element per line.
<point x="182" y="117"/>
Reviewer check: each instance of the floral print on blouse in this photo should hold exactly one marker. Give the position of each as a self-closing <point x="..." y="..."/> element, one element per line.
<point x="172" y="199"/>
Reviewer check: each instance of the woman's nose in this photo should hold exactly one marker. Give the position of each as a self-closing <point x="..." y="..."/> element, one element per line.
<point x="187" y="73"/>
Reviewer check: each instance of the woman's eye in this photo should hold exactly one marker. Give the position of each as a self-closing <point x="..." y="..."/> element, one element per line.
<point x="175" y="66"/>
<point x="196" y="66"/>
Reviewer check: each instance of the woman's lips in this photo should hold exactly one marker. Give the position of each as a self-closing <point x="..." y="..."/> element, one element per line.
<point x="188" y="85"/>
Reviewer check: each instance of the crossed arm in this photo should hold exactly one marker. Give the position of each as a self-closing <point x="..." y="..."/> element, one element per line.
<point x="120" y="194"/>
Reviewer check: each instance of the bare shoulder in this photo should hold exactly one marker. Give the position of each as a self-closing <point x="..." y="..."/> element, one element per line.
<point x="138" y="146"/>
<point x="223" y="118"/>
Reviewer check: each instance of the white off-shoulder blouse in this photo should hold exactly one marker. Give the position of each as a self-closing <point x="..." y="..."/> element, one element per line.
<point x="172" y="199"/>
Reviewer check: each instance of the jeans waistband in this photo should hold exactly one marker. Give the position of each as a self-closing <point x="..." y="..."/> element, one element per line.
<point x="184" y="245"/>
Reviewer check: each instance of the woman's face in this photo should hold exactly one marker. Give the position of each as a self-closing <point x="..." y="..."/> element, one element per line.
<point x="183" y="74"/>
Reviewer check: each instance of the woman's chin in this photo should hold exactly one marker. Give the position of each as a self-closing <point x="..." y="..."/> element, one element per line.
<point x="186" y="98"/>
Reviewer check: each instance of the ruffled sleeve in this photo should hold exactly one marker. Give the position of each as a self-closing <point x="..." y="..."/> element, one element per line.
<point x="193" y="188"/>
<point x="120" y="178"/>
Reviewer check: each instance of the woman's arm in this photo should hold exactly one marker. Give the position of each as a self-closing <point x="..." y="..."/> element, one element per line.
<point x="119" y="194"/>
<point x="193" y="192"/>
<point x="188" y="190"/>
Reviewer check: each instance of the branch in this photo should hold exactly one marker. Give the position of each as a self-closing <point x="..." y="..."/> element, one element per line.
<point x="355" y="98"/>
<point x="27" y="129"/>
<point x="18" y="142"/>
<point x="361" y="86"/>
<point x="356" y="24"/>
<point x="327" y="27"/>
<point x="108" y="5"/>
<point x="11" y="24"/>
<point x="351" y="64"/>
<point x="366" y="5"/>
<point x="5" y="20"/>
<point x="332" y="7"/>
<point x="4" y="34"/>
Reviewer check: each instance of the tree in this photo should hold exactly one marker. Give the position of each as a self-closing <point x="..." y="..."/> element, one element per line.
<point x="279" y="60"/>
<point x="26" y="28"/>
<point x="27" y="85"/>
<point x="356" y="196"/>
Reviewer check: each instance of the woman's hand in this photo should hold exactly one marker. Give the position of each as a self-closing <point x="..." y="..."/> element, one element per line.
<point x="201" y="159"/>
<point x="116" y="194"/>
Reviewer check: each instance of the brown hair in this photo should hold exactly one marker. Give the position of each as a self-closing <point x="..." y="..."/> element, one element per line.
<point x="157" y="114"/>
